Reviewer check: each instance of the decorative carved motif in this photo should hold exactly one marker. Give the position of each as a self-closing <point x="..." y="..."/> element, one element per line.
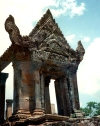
<point x="38" y="55"/>
<point x="45" y="27"/>
<point x="14" y="33"/>
<point x="80" y="47"/>
<point x="13" y="30"/>
<point x="53" y="47"/>
<point x="57" y="58"/>
<point x="47" y="22"/>
<point x="80" y="51"/>
<point x="53" y="44"/>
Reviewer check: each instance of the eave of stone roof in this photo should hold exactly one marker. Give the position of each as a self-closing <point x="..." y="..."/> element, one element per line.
<point x="6" y="58"/>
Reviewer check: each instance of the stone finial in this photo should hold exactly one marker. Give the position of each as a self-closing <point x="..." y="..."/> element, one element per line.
<point x="80" y="47"/>
<point x="80" y="50"/>
<point x="13" y="30"/>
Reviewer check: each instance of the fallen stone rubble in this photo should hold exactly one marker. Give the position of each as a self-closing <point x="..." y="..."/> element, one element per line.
<point x="95" y="121"/>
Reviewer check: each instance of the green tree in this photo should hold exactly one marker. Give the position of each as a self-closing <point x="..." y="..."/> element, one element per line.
<point x="86" y="111"/>
<point x="98" y="109"/>
<point x="91" y="105"/>
<point x="92" y="109"/>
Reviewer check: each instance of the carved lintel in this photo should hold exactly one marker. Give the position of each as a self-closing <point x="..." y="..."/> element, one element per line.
<point x="38" y="55"/>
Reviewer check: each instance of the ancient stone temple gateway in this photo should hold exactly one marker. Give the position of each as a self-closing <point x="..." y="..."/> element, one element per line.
<point x="42" y="55"/>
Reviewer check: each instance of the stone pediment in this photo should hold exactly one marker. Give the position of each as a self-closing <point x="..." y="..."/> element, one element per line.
<point x="53" y="44"/>
<point x="51" y="50"/>
<point x="54" y="47"/>
<point x="45" y="28"/>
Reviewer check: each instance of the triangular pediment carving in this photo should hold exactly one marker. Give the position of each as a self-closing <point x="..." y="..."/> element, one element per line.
<point x="53" y="44"/>
<point x="55" y="47"/>
<point x="44" y="28"/>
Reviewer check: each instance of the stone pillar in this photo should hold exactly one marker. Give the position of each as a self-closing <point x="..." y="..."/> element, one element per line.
<point x="71" y="92"/>
<point x="8" y="108"/>
<point x="24" y="88"/>
<point x="74" y="88"/>
<point x="59" y="96"/>
<point x="47" y="96"/>
<point x="27" y="95"/>
<point x="66" y="98"/>
<point x="3" y="77"/>
<point x="75" y="91"/>
<point x="42" y="90"/>
<point x="38" y="108"/>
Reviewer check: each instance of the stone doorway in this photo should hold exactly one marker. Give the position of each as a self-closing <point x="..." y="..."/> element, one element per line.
<point x="60" y="83"/>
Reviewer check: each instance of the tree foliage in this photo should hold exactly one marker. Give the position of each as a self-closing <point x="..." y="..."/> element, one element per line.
<point x="92" y="109"/>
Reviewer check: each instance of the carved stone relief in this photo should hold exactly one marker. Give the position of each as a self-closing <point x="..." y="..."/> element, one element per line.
<point x="38" y="55"/>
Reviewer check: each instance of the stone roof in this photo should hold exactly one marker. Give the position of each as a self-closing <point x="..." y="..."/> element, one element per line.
<point x="45" y="36"/>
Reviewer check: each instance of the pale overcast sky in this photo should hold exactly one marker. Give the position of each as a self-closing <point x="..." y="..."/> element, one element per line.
<point x="78" y="20"/>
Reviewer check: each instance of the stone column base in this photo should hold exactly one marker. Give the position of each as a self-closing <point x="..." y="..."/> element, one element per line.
<point x="38" y="112"/>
